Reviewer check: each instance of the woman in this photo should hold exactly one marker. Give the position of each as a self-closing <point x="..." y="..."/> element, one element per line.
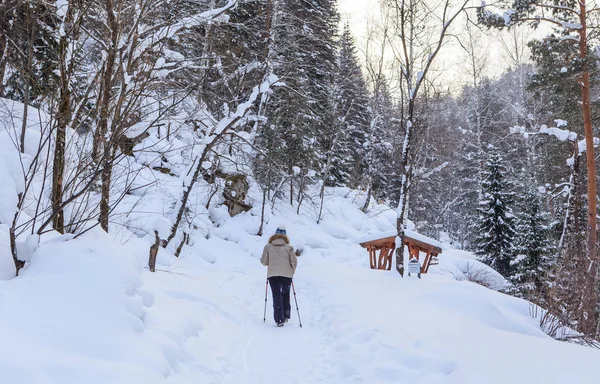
<point x="281" y="260"/>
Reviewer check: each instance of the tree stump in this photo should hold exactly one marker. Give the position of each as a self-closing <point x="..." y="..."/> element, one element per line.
<point x="153" y="252"/>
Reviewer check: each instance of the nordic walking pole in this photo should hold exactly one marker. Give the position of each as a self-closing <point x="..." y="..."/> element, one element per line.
<point x="296" y="300"/>
<point x="266" y="290"/>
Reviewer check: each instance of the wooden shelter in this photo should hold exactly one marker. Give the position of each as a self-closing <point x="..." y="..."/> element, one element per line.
<point x="415" y="243"/>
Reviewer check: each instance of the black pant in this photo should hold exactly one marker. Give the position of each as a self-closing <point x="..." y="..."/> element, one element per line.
<point x="280" y="286"/>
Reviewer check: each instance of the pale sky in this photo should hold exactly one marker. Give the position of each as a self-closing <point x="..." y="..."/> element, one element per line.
<point x="356" y="13"/>
<point x="359" y="12"/>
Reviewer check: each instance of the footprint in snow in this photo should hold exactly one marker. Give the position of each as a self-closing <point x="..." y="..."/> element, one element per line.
<point x="390" y="374"/>
<point x="448" y="367"/>
<point x="184" y="296"/>
<point x="147" y="298"/>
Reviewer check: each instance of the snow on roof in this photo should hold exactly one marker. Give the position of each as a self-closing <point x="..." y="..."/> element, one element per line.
<point x="423" y="238"/>
<point x="377" y="236"/>
<point x="407" y="232"/>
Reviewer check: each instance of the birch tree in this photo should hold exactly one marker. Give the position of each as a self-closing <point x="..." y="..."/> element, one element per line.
<point x="419" y="32"/>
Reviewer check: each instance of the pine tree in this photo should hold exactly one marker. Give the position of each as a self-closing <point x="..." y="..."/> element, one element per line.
<point x="533" y="248"/>
<point x="28" y="63"/>
<point x="299" y="111"/>
<point x="557" y="65"/>
<point x="496" y="228"/>
<point x="381" y="170"/>
<point x="352" y="110"/>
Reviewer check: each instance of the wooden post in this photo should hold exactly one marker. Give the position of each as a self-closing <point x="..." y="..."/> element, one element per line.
<point x="390" y="252"/>
<point x="425" y="266"/>
<point x="384" y="256"/>
<point x="372" y="257"/>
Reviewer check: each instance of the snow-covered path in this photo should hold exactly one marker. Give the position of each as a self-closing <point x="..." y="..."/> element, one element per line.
<point x="255" y="351"/>
<point x="364" y="326"/>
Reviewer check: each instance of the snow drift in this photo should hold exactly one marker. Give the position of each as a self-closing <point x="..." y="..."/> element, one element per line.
<point x="87" y="310"/>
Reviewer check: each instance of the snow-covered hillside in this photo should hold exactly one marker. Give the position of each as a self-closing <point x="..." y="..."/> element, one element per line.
<point x="87" y="310"/>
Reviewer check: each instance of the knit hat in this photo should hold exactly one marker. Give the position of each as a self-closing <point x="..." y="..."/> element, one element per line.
<point x="280" y="230"/>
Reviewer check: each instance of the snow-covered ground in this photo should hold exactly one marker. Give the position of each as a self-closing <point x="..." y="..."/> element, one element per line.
<point x="88" y="311"/>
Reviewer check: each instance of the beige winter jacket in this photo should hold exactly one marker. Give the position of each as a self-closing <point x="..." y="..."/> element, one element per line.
<point x="279" y="256"/>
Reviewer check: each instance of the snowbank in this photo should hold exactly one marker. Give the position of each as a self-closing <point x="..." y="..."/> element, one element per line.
<point x="76" y="315"/>
<point x="87" y="310"/>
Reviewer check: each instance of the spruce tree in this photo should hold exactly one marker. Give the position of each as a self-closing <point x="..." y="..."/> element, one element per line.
<point x="496" y="228"/>
<point x="533" y="247"/>
<point x="352" y="113"/>
<point x="379" y="170"/>
<point x="300" y="109"/>
<point x="28" y="63"/>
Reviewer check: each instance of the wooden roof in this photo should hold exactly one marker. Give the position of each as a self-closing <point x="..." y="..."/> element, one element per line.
<point x="407" y="240"/>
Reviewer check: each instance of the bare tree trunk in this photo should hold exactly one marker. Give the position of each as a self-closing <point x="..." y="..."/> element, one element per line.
<point x="100" y="139"/>
<point x="3" y="51"/>
<point x="262" y="213"/>
<point x="365" y="207"/>
<point x="278" y="189"/>
<point x="322" y="197"/>
<point x="105" y="179"/>
<point x="404" y="183"/>
<point x="328" y="165"/>
<point x="268" y="24"/>
<point x="400" y="247"/>
<point x="589" y="292"/>
<point x="291" y="187"/>
<point x="13" y="250"/>
<point x="300" y="194"/>
<point x="3" y="44"/>
<point x="184" y="240"/>
<point x="63" y="118"/>
<point x="25" y="111"/>
<point x="183" y="204"/>
<point x="58" y="168"/>
<point x="19" y="264"/>
<point x="584" y="82"/>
